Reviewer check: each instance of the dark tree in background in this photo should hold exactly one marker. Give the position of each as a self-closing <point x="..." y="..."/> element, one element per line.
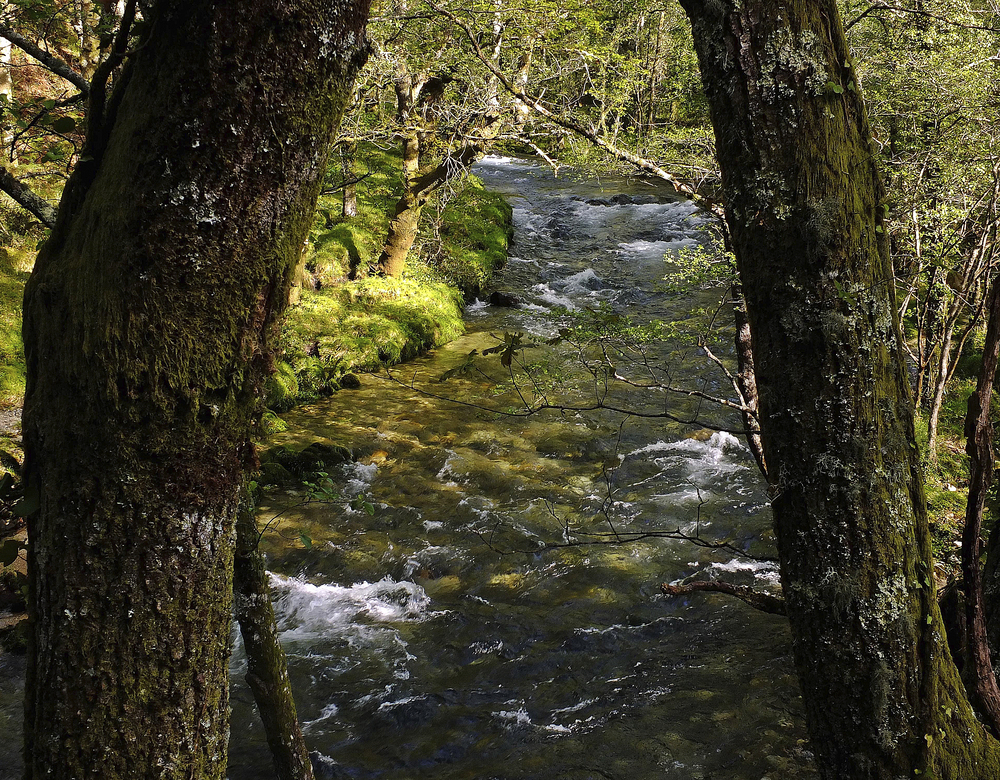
<point x="804" y="204"/>
<point x="149" y="327"/>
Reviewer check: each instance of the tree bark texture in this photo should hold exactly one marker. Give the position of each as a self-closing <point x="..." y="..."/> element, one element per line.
<point x="804" y="205"/>
<point x="149" y="326"/>
<point x="267" y="669"/>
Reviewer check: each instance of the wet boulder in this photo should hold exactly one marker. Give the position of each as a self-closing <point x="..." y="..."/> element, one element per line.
<point x="507" y="300"/>
<point x="283" y="464"/>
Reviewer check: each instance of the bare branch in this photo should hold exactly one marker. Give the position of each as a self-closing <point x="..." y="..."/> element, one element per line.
<point x="50" y="61"/>
<point x="26" y="197"/>
<point x="917" y="12"/>
<point x="758" y="599"/>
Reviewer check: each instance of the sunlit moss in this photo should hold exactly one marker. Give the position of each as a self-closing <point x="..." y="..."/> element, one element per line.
<point x="353" y="322"/>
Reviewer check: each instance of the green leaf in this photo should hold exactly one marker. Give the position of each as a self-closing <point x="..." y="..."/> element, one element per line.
<point x="29" y="503"/>
<point x="930" y="620"/>
<point x="843" y="293"/>
<point x="64" y="124"/>
<point x="835" y="88"/>
<point x="306" y="540"/>
<point x="9" y="551"/>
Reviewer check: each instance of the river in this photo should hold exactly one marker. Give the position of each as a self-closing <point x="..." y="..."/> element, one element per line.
<point x="458" y="632"/>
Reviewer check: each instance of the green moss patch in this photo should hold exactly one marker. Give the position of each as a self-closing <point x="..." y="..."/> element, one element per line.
<point x="346" y="325"/>
<point x="363" y="325"/>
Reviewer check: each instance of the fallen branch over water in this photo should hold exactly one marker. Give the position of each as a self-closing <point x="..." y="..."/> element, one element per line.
<point x="765" y="602"/>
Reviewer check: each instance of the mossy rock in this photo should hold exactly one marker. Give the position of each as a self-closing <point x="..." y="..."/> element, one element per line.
<point x="270" y="424"/>
<point x="318" y="456"/>
<point x="281" y="389"/>
<point x="275" y="474"/>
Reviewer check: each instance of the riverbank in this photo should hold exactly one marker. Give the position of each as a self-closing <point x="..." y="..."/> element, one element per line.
<point x="336" y="327"/>
<point x="341" y="326"/>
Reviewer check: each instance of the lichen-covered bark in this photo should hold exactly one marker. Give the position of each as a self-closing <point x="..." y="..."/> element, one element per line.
<point x="149" y="326"/>
<point x="804" y="205"/>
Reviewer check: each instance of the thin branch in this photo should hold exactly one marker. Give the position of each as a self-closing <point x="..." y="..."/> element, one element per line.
<point x="531" y="411"/>
<point x="917" y="12"/>
<point x="759" y="600"/>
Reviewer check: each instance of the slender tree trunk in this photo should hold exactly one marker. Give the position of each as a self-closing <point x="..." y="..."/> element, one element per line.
<point x="747" y="381"/>
<point x="349" y="202"/>
<point x="979" y="431"/>
<point x="267" y="670"/>
<point x="804" y="205"/>
<point x="149" y="326"/>
<point x="7" y="96"/>
<point x="85" y="15"/>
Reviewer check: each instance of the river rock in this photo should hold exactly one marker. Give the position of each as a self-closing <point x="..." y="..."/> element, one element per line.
<point x="508" y="300"/>
<point x="318" y="456"/>
<point x="350" y="382"/>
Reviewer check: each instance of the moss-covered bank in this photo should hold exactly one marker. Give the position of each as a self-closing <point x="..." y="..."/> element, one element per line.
<point x="342" y="325"/>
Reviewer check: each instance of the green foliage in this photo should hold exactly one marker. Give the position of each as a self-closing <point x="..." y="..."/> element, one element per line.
<point x="282" y="388"/>
<point x="946" y="484"/>
<point x="475" y="229"/>
<point x="16" y="256"/>
<point x="700" y="267"/>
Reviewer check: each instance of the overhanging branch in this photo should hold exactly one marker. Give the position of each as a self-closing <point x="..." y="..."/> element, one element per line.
<point x="50" y="61"/>
<point x="576" y="127"/>
<point x="30" y="200"/>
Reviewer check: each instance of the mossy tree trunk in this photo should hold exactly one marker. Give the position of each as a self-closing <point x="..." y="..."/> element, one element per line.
<point x="267" y="668"/>
<point x="413" y="104"/>
<point x="149" y="325"/>
<point x="404" y="224"/>
<point x="804" y="205"/>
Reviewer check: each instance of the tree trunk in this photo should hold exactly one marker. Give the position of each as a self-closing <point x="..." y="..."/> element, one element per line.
<point x="149" y="326"/>
<point x="348" y="153"/>
<point x="405" y="222"/>
<point x="7" y="98"/>
<point x="804" y="205"/>
<point x="979" y="432"/>
<point x="267" y="670"/>
<point x="84" y="16"/>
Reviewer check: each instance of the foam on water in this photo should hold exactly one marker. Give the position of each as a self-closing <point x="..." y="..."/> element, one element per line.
<point x="584" y="282"/>
<point x="654" y="249"/>
<point x="765" y="571"/>
<point x="306" y="611"/>
<point x="702" y="458"/>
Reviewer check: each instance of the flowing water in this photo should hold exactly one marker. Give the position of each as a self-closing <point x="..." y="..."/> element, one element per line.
<point x="449" y="635"/>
